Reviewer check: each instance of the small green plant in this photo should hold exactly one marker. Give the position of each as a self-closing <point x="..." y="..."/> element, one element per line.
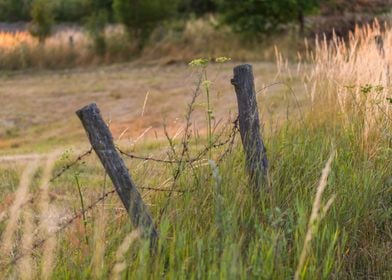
<point x="78" y="185"/>
<point x="42" y="19"/>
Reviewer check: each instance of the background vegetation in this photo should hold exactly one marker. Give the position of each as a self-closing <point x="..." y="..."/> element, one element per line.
<point x="106" y="31"/>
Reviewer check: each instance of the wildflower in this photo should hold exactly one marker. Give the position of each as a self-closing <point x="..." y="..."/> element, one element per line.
<point x="199" y="62"/>
<point x="222" y="59"/>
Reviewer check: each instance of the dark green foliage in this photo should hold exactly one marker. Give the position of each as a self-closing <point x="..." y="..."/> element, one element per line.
<point x="71" y="10"/>
<point x="96" y="23"/>
<point x="42" y="19"/>
<point x="264" y="16"/>
<point x="96" y="26"/>
<point x="197" y="7"/>
<point x="15" y="10"/>
<point x="141" y="17"/>
<point x="100" y="5"/>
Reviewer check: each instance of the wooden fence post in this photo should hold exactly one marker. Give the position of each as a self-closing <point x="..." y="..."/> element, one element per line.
<point x="255" y="151"/>
<point x="102" y="142"/>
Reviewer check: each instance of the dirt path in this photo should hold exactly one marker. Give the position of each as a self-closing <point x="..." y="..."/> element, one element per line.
<point x="21" y="157"/>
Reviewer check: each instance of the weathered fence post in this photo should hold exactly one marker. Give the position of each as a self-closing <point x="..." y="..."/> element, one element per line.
<point x="255" y="152"/>
<point x="102" y="142"/>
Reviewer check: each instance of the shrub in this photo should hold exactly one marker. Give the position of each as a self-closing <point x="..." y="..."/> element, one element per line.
<point x="42" y="19"/>
<point x="141" y="17"/>
<point x="250" y="16"/>
<point x="96" y="24"/>
<point x="198" y="7"/>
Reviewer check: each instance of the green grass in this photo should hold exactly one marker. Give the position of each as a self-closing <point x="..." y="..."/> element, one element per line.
<point x="218" y="228"/>
<point x="221" y="230"/>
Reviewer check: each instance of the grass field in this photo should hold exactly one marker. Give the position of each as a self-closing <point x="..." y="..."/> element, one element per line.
<point x="41" y="105"/>
<point x="327" y="213"/>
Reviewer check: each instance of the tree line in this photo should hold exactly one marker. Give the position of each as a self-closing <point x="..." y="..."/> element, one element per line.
<point x="141" y="17"/>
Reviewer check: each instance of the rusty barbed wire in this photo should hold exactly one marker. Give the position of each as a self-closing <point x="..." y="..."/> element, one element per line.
<point x="62" y="227"/>
<point x="165" y="190"/>
<point x="68" y="166"/>
<point x="145" y="158"/>
<point x="199" y="157"/>
<point x="230" y="140"/>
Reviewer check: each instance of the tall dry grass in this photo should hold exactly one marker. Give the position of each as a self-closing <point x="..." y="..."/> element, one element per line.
<point x="316" y="215"/>
<point x="65" y="48"/>
<point x="178" y="41"/>
<point x="353" y="78"/>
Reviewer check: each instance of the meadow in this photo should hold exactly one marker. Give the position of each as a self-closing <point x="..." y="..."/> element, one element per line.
<point x="326" y="214"/>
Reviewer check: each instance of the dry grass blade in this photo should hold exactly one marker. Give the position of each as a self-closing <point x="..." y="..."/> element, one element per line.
<point x="120" y="264"/>
<point x="99" y="243"/>
<point x="315" y="215"/>
<point x="20" y="198"/>
<point x="145" y="103"/>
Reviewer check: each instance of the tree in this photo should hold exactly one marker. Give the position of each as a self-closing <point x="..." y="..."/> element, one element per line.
<point x="140" y="17"/>
<point x="42" y="19"/>
<point x="71" y="10"/>
<point x="264" y="16"/>
<point x="96" y="23"/>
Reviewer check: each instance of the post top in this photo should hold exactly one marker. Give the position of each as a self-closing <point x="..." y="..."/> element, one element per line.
<point x="242" y="68"/>
<point x="243" y="71"/>
<point x="92" y="107"/>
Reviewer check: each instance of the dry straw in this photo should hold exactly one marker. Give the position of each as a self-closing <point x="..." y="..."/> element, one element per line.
<point x="21" y="195"/>
<point x="99" y="242"/>
<point x="121" y="264"/>
<point x="354" y="77"/>
<point x="316" y="215"/>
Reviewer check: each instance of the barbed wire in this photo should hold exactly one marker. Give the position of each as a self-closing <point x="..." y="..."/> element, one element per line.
<point x="146" y="158"/>
<point x="62" y="227"/>
<point x="68" y="166"/>
<point x="229" y="140"/>
<point x="164" y="190"/>
<point x="199" y="157"/>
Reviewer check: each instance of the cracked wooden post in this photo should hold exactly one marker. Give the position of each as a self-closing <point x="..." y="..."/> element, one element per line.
<point x="102" y="142"/>
<point x="249" y="123"/>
